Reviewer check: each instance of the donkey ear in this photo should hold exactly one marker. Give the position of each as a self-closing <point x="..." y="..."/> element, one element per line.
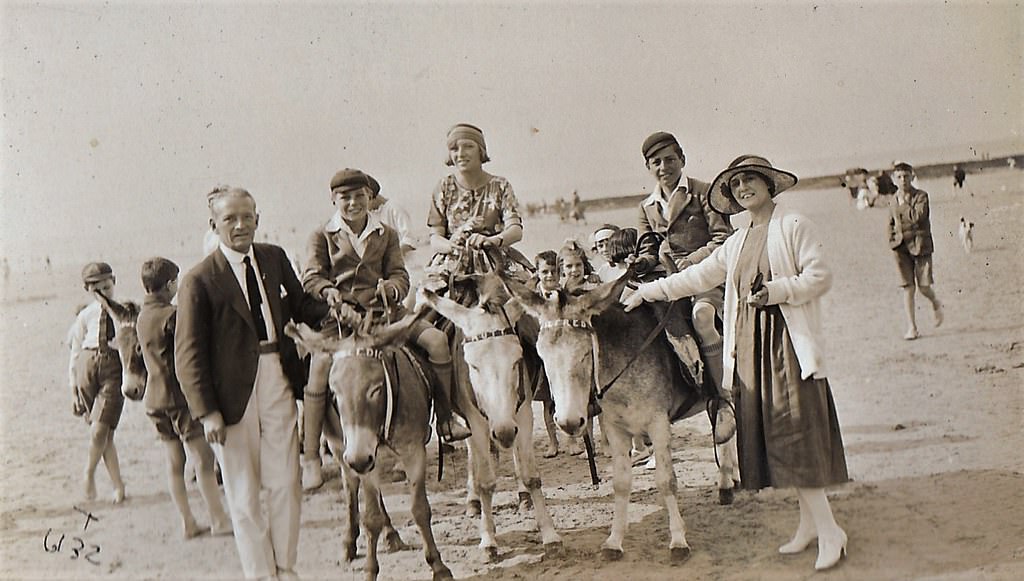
<point x="310" y="340"/>
<point x="116" y="309"/>
<point x="534" y="303"/>
<point x="602" y="297"/>
<point x="397" y="332"/>
<point x="447" y="308"/>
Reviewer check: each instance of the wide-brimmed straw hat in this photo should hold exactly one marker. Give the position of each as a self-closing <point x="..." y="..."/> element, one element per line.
<point x="720" y="194"/>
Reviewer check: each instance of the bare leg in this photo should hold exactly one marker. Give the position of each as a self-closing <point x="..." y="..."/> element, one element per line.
<point x="99" y="438"/>
<point x="113" y="465"/>
<point x="936" y="305"/>
<point x="909" y="307"/>
<point x="206" y="477"/>
<point x="176" y="485"/>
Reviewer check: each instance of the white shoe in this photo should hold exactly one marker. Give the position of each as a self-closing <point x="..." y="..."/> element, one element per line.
<point x="638" y="457"/>
<point x="312" y="474"/>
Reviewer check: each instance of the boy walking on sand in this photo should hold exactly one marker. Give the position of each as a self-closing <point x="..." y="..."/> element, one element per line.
<point x="910" y="237"/>
<point x="165" y="403"/>
<point x="94" y="374"/>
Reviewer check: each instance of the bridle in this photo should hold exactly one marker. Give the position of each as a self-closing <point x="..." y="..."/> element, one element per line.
<point x="494" y="334"/>
<point x="385" y="430"/>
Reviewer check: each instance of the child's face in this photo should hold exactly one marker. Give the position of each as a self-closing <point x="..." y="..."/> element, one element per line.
<point x="104" y="286"/>
<point x="902" y="178"/>
<point x="352" y="204"/>
<point x="601" y="246"/>
<point x="572" y="266"/>
<point x="547" y="274"/>
<point x="667" y="167"/>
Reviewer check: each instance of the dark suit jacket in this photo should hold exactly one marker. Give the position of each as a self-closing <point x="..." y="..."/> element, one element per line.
<point x="910" y="224"/>
<point x="216" y="348"/>
<point x="692" y="231"/>
<point x="156" y="337"/>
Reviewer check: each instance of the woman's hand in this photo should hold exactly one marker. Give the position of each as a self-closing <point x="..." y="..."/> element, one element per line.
<point x="632" y="300"/>
<point x="478" y="241"/>
<point x="758" y="299"/>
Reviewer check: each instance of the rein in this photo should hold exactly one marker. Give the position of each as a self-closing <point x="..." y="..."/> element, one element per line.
<point x="504" y="332"/>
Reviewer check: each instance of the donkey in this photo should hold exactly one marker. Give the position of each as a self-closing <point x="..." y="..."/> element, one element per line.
<point x="496" y="401"/>
<point x="383" y="399"/>
<point x="126" y="338"/>
<point x="578" y="349"/>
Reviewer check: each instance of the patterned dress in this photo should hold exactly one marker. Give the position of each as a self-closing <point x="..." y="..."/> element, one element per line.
<point x="787" y="428"/>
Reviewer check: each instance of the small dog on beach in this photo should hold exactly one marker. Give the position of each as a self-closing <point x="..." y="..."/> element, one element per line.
<point x="966" y="235"/>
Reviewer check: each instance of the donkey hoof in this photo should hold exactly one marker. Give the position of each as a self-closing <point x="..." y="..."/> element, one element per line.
<point x="444" y="573"/>
<point x="725" y="496"/>
<point x="473" y="508"/>
<point x="491" y="554"/>
<point x="525" y="502"/>
<point x="679" y="554"/>
<point x="394" y="543"/>
<point x="611" y="554"/>
<point x="349" y="552"/>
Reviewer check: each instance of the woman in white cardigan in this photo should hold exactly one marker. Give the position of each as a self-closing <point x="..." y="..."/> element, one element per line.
<point x="774" y="274"/>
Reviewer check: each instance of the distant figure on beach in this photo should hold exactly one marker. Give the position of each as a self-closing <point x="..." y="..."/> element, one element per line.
<point x="959" y="175"/>
<point x="576" y="208"/>
<point x="241" y="375"/>
<point x="165" y="403"/>
<point x="94" y="374"/>
<point x="910" y="237"/>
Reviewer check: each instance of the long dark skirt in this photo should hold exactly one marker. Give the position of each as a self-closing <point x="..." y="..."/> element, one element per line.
<point x="788" y="431"/>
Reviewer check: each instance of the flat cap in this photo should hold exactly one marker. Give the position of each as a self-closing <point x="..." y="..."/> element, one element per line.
<point x="96" y="272"/>
<point x="657" y="141"/>
<point x="352" y="179"/>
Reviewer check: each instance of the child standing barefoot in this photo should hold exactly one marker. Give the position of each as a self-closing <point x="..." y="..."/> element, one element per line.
<point x="165" y="403"/>
<point x="94" y="374"/>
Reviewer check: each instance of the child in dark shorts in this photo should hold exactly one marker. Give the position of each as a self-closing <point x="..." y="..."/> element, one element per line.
<point x="165" y="402"/>
<point x="94" y="374"/>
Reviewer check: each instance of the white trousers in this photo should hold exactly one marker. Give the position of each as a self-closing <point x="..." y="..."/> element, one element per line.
<point x="262" y="452"/>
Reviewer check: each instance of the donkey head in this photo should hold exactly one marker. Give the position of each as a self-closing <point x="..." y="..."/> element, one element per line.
<point x="126" y="338"/>
<point x="566" y="344"/>
<point x="357" y="380"/>
<point x="492" y="352"/>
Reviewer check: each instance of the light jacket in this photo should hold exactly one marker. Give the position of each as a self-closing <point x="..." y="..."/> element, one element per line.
<point x="799" y="278"/>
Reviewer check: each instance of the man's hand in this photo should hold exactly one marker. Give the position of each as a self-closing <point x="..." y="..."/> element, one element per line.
<point x="78" y="407"/>
<point x="213" y="426"/>
<point x="632" y="300"/>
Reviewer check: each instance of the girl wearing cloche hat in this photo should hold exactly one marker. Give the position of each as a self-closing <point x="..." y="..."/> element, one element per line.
<point x="775" y="274"/>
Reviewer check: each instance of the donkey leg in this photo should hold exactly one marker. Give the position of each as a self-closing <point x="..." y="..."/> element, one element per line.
<point x="352" y="531"/>
<point x="622" y="482"/>
<point x="526" y="468"/>
<point x="415" y="462"/>
<point x="373" y="521"/>
<point x="392" y="540"/>
<point x="728" y="471"/>
<point x="484" y="481"/>
<point x="665" y="478"/>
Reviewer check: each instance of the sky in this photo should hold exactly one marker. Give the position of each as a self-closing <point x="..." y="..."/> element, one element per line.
<point x="117" y="118"/>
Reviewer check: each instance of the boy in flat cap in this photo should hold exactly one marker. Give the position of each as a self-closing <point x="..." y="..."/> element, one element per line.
<point x="356" y="264"/>
<point x="690" y="229"/>
<point x="94" y="374"/>
<point x="910" y="237"/>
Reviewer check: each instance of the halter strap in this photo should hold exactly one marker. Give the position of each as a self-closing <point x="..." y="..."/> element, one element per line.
<point x="361" y="352"/>
<point x="490" y="335"/>
<point x="571" y="323"/>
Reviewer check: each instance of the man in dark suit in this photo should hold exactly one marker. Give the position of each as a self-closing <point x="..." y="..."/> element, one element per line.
<point x="241" y="374"/>
<point x="678" y="209"/>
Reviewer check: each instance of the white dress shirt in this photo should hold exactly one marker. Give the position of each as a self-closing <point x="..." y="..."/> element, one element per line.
<point x="238" y="267"/>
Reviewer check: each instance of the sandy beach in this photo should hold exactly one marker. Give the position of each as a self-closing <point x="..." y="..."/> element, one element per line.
<point x="934" y="434"/>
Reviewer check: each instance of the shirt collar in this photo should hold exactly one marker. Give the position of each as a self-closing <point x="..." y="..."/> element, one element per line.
<point x="656" y="196"/>
<point x="234" y="256"/>
<point x="338" y="224"/>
